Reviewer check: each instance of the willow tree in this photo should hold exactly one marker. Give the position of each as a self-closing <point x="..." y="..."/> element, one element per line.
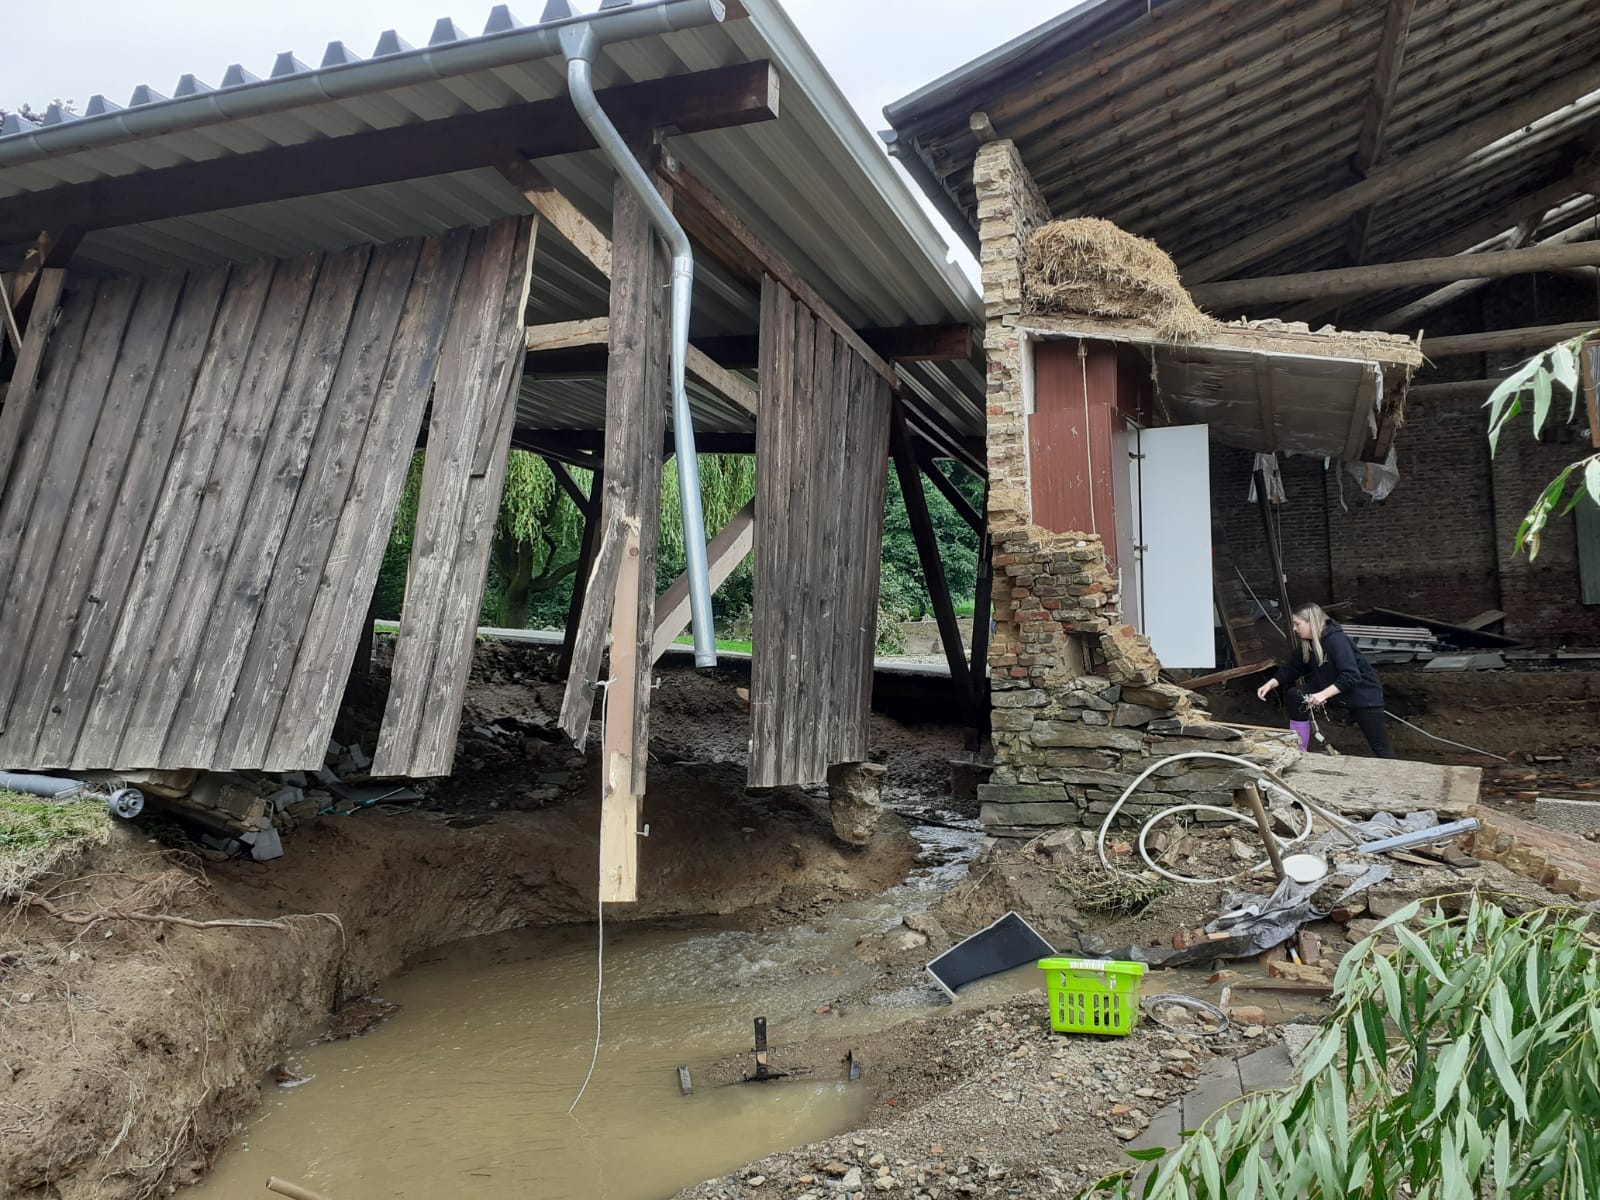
<point x="537" y="540"/>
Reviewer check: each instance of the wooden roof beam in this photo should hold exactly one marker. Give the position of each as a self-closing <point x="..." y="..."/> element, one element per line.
<point x="1531" y="337"/>
<point x="1408" y="315"/>
<point x="725" y="96"/>
<point x="1397" y="176"/>
<point x="906" y="343"/>
<point x="1375" y="118"/>
<point x="1497" y="231"/>
<point x="1309" y="285"/>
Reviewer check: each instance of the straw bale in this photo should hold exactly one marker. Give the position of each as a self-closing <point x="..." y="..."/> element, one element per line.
<point x="1089" y="266"/>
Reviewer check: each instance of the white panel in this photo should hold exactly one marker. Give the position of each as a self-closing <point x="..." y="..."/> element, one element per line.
<point x="1175" y="516"/>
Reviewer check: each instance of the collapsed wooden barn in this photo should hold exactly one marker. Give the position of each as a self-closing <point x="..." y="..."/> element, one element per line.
<point x="239" y="310"/>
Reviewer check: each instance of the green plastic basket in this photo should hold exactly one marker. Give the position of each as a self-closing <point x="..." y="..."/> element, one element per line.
<point x="1092" y="995"/>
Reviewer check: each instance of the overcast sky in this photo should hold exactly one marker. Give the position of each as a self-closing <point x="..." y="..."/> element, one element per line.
<point x="877" y="50"/>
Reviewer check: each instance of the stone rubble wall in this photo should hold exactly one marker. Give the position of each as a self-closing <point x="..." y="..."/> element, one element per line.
<point x="1078" y="706"/>
<point x="1079" y="710"/>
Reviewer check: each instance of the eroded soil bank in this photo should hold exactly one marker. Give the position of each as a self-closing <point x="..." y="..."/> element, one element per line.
<point x="131" y="1050"/>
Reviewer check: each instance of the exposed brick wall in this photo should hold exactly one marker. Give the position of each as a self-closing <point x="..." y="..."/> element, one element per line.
<point x="1441" y="545"/>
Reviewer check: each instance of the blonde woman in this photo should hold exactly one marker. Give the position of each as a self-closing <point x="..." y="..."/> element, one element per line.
<point x="1331" y="666"/>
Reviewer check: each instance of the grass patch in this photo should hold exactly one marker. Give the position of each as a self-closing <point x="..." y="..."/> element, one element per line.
<point x="722" y="644"/>
<point x="36" y="833"/>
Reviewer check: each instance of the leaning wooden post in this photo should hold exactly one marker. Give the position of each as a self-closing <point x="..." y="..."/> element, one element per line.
<point x="580" y="579"/>
<point x="905" y="465"/>
<point x="1252" y="799"/>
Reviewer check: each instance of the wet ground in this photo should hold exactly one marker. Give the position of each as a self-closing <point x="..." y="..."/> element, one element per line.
<point x="466" y="1090"/>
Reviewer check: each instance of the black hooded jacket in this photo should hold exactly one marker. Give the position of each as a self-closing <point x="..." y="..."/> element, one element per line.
<point x="1343" y="667"/>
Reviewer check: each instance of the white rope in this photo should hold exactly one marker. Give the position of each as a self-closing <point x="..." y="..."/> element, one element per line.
<point x="1445" y="741"/>
<point x="600" y="914"/>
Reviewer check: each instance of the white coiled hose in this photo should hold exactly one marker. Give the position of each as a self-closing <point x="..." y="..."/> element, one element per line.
<point x="1144" y="830"/>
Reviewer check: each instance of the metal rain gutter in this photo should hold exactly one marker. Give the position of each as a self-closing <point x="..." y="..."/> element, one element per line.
<point x="580" y="45"/>
<point x="938" y="195"/>
<point x="343" y="80"/>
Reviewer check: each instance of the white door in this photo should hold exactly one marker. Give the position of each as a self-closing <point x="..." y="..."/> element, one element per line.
<point x="1174" y="474"/>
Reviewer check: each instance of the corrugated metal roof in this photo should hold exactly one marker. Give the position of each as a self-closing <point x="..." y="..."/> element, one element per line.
<point x="1194" y="123"/>
<point x="814" y="183"/>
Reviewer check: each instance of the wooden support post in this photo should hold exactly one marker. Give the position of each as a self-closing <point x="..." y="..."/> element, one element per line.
<point x="905" y="465"/>
<point x="1252" y="799"/>
<point x="362" y="668"/>
<point x="730" y="547"/>
<point x="982" y="615"/>
<point x="621" y="589"/>
<point x="620" y="804"/>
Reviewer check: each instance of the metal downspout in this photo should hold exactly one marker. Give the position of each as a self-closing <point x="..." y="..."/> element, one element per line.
<point x="580" y="45"/>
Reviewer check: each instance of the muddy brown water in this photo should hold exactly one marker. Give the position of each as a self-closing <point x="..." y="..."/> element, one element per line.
<point x="465" y="1091"/>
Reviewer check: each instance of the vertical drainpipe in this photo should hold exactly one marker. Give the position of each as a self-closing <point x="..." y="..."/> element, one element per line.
<point x="579" y="44"/>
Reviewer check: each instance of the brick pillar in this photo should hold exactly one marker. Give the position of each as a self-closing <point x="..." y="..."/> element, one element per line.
<point x="1010" y="208"/>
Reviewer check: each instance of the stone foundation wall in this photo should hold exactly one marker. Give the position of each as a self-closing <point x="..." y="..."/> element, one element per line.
<point x="1078" y="707"/>
<point x="1079" y="710"/>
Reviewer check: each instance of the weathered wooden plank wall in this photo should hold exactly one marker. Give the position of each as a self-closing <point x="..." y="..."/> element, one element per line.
<point x="469" y="434"/>
<point x="198" y="484"/>
<point x="821" y="473"/>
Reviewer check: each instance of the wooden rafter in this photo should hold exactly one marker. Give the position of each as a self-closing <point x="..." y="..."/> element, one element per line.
<point x="1375" y="118"/>
<point x="582" y="234"/>
<point x="1395" y="176"/>
<point x="1546" y="256"/>
<point x="51" y="250"/>
<point x="719" y="98"/>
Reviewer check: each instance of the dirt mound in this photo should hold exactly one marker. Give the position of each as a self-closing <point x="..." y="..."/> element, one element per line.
<point x="1089" y="266"/>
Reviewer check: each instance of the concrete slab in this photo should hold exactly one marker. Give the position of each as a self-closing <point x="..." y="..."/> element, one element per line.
<point x="1214" y="1089"/>
<point x="1271" y="1067"/>
<point x="1363" y="786"/>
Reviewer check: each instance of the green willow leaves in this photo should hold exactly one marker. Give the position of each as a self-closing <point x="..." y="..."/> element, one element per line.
<point x="1557" y="368"/>
<point x="1463" y="1063"/>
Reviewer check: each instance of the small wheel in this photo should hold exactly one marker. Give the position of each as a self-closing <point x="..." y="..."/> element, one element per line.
<point x="126" y="803"/>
